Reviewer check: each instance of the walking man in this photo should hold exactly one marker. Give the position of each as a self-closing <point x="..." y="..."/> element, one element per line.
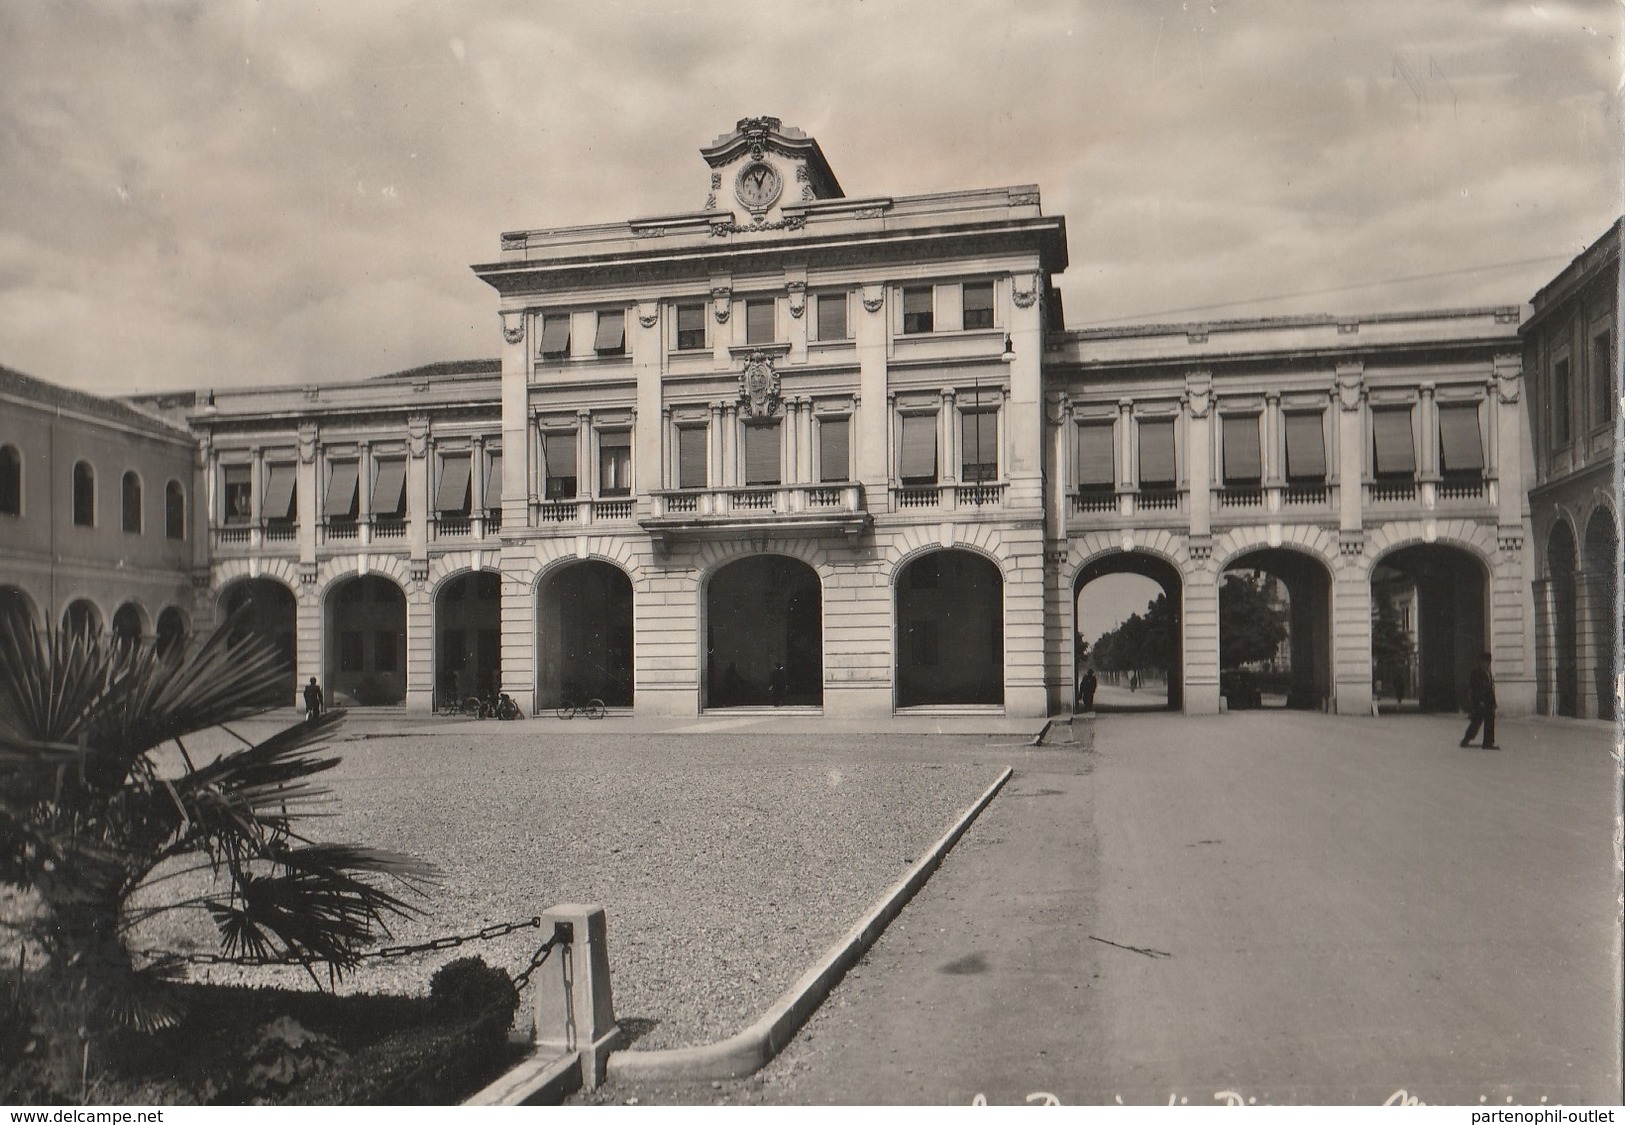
<point x="313" y="701"/>
<point x="1481" y="704"/>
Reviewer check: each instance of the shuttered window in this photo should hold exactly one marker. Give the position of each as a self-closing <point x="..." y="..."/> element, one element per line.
<point x="978" y="305"/>
<point x="1158" y="468"/>
<point x="493" y="481"/>
<point x="280" y="491"/>
<point x="559" y="455"/>
<point x="1096" y="455"/>
<point x="555" y="336"/>
<point x="615" y="463"/>
<point x="691" y="442"/>
<point x="835" y="449"/>
<point x="1305" y="447"/>
<point x="238" y="481"/>
<point x="1461" y="450"/>
<point x="611" y="338"/>
<point x="759" y="328"/>
<point x="453" y="496"/>
<point x="389" y="490"/>
<point x="832" y="316"/>
<point x="917" y="449"/>
<point x="690" y="327"/>
<point x="1242" y="461"/>
<point x="979" y="446"/>
<point x="1395" y="455"/>
<point x="762" y="453"/>
<point x="342" y="490"/>
<point x="917" y="310"/>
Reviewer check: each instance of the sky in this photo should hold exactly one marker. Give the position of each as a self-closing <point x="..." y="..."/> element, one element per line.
<point x="225" y="193"/>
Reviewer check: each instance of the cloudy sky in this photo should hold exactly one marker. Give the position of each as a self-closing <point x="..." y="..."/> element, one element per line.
<point x="227" y="192"/>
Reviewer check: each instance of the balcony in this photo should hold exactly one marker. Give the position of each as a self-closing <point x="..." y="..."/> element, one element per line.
<point x="947" y="497"/>
<point x="1304" y="494"/>
<point x="582" y="510"/>
<point x="1087" y="501"/>
<point x="788" y="508"/>
<point x="1391" y="492"/>
<point x="1461" y="489"/>
<point x="275" y="536"/>
<point x="1241" y="496"/>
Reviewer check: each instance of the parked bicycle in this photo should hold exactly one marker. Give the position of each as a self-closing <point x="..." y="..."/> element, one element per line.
<point x="593" y="709"/>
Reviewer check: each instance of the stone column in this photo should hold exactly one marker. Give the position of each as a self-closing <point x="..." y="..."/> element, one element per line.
<point x="417" y="488"/>
<point x="790" y="449"/>
<point x="307" y="496"/>
<point x="1128" y="479"/>
<point x="714" y="471"/>
<point x="948" y="438"/>
<point x="1587" y="604"/>
<point x="1427" y="436"/>
<point x="363" y="485"/>
<point x="1199" y="455"/>
<point x="730" y="445"/>
<point x="1351" y="632"/>
<point x="476" y="488"/>
<point x="648" y="437"/>
<point x="1274" y="442"/>
<point x="1351" y="442"/>
<point x="1199" y="641"/>
<point x="518" y="446"/>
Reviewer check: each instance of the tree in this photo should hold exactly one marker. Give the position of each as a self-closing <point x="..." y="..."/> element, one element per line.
<point x="1141" y="642"/>
<point x="1250" y="628"/>
<point x="89" y="817"/>
<point x="1390" y="643"/>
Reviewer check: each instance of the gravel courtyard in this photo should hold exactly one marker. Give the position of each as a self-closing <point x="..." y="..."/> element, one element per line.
<point x="727" y="863"/>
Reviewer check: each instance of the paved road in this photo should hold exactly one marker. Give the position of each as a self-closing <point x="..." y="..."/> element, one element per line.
<point x="1294" y="907"/>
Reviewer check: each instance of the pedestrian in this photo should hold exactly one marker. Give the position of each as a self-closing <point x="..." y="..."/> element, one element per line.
<point x="780" y="684"/>
<point x="1481" y="703"/>
<point x="313" y="701"/>
<point x="1088" y="686"/>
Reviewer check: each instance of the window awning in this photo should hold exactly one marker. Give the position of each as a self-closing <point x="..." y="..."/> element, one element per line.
<point x="979" y="442"/>
<point x="453" y="494"/>
<point x="1157" y="464"/>
<point x="1242" y="459"/>
<point x="493" y="481"/>
<point x="279" y="490"/>
<point x="389" y="490"/>
<point x="1391" y="436"/>
<point x="1461" y="450"/>
<point x="559" y="452"/>
<point x="762" y="442"/>
<point x="1097" y="462"/>
<point x="1305" y="447"/>
<point x="341" y="489"/>
<point x="917" y="448"/>
<point x="691" y="457"/>
<point x="555" y="334"/>
<point x="611" y="332"/>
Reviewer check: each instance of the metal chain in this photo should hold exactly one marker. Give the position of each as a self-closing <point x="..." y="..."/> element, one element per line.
<point x="387" y="952"/>
<point x="536" y="960"/>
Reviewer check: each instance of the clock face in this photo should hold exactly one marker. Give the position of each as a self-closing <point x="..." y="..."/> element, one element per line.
<point x="758" y="185"/>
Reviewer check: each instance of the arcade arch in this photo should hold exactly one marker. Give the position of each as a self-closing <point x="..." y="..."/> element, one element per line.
<point x="265" y="608"/>
<point x="950" y="630"/>
<point x="129" y="625"/>
<point x="82" y="616"/>
<point x="584" y="635"/>
<point x="764" y="634"/>
<point x="1441" y="592"/>
<point x="173" y="631"/>
<point x="1296" y="589"/>
<point x="14" y="600"/>
<point x="1602" y="569"/>
<point x="1561" y="562"/>
<point x="1156" y="652"/>
<point x="468" y="636"/>
<point x="366" y="641"/>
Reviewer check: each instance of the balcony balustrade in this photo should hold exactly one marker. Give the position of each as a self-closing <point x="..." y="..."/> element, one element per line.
<point x="388" y="527"/>
<point x="1305" y="495"/>
<point x="700" y="512"/>
<point x="1243" y="496"/>
<point x="582" y="510"/>
<point x="1391" y="492"/>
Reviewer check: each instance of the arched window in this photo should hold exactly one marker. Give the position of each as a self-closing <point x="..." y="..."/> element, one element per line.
<point x="11" y="481"/>
<point x="84" y="495"/>
<point x="131" y="493"/>
<point x="174" y="510"/>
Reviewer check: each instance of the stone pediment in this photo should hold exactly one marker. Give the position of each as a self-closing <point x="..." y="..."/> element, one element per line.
<point x="761" y="165"/>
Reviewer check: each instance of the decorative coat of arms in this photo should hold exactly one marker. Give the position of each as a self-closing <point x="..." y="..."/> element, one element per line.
<point x="759" y="387"/>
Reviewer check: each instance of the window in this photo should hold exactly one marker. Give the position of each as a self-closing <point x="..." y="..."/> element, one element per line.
<point x="456" y="488"/>
<point x="759" y="326"/>
<point x="917" y="307"/>
<point x="1561" y="434"/>
<point x="979" y="446"/>
<point x="762" y="442"/>
<point x="343" y="491"/>
<point x="611" y="338"/>
<point x="281" y="491"/>
<point x="174" y="510"/>
<point x="917" y="449"/>
<point x="11" y="481"/>
<point x="493" y="480"/>
<point x="1158" y="467"/>
<point x="84" y="495"/>
<point x="1243" y="462"/>
<point x="1097" y="459"/>
<point x="1305" y="448"/>
<point x="835" y="449"/>
<point x="130" y="497"/>
<point x="979" y="305"/>
<point x="615" y="463"/>
<point x="1602" y="375"/>
<point x="690" y="327"/>
<point x="389" y="489"/>
<point x="691" y="442"/>
<point x="559" y="456"/>
<point x="1394" y="453"/>
<point x="238" y="492"/>
<point x="831" y="316"/>
<point x="555" y="336"/>
<point x="1461" y="450"/>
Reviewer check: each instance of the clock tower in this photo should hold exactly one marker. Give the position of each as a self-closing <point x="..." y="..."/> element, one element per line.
<point x="761" y="166"/>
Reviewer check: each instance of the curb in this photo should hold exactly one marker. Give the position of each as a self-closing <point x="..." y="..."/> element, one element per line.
<point x="753" y="1048"/>
<point x="1038" y="739"/>
<point x="535" y="1081"/>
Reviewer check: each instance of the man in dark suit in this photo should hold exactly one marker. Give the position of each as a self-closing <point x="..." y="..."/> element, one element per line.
<point x="1481" y="704"/>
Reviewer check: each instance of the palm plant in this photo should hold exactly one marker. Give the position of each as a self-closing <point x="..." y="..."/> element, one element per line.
<point x="90" y="816"/>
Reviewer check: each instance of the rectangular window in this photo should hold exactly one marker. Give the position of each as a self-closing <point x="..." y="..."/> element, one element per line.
<point x="1561" y="407"/>
<point x="611" y="338"/>
<point x="493" y="481"/>
<point x="174" y="511"/>
<point x="389" y="490"/>
<point x="383" y="651"/>
<point x="979" y="446"/>
<point x="238" y="492"/>
<point x="762" y="444"/>
<point x="1602" y="375"/>
<point x="280" y="491"/>
<point x="759" y="327"/>
<point x="1394" y="453"/>
<point x="834" y="449"/>
<point x="615" y="463"/>
<point x="350" y="650"/>
<point x="917" y="449"/>
<point x="132" y="503"/>
<point x="555" y="336"/>
<point x="454" y="493"/>
<point x="917" y="310"/>
<point x="691" y="442"/>
<point x="343" y="492"/>
<point x="690" y="328"/>
<point x="1243" y="462"/>
<point x="832" y="316"/>
<point x="979" y="304"/>
<point x="1461" y="450"/>
<point x="1305" y="447"/>
<point x="559" y="456"/>
<point x="1158" y="466"/>
<point x="1097" y="456"/>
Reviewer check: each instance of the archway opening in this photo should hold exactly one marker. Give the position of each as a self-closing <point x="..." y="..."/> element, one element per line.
<point x="366" y="642"/>
<point x="764" y="638"/>
<point x="81" y="616"/>
<point x="1275" y="631"/>
<point x="950" y="631"/>
<point x="1439" y="597"/>
<point x="264" y="608"/>
<point x="15" y="602"/>
<point x="468" y="636"/>
<point x="1564" y="655"/>
<point x="1134" y="653"/>
<point x="584" y="635"/>
<point x="1602" y="586"/>
<point x="129" y="625"/>
<point x="172" y="632"/>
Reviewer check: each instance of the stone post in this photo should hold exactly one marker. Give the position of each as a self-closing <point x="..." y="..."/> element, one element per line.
<point x="575" y="1009"/>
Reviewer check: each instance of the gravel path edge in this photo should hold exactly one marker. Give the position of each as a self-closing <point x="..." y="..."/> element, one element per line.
<point x="748" y="1051"/>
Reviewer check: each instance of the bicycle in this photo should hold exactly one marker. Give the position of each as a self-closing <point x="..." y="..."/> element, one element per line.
<point x="593" y="709"/>
<point x="476" y="707"/>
